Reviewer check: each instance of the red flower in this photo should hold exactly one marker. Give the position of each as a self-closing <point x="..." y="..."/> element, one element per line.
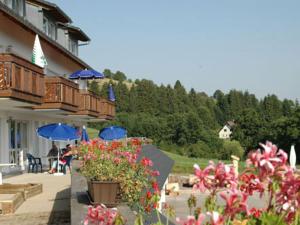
<point x="146" y="162"/>
<point x="155" y="186"/>
<point x="256" y="212"/>
<point x="148" y="195"/>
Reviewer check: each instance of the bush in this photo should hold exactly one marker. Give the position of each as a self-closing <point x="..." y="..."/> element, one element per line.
<point x="199" y="150"/>
<point x="230" y="148"/>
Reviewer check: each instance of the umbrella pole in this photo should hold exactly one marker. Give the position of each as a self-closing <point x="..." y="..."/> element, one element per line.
<point x="57" y="171"/>
<point x="58" y="160"/>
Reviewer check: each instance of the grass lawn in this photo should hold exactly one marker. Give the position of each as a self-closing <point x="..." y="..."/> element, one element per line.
<point x="93" y="133"/>
<point x="185" y="164"/>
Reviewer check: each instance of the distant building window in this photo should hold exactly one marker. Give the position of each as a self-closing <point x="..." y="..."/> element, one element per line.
<point x="225" y="130"/>
<point x="73" y="46"/>
<point x="49" y="28"/>
<point x="18" y="6"/>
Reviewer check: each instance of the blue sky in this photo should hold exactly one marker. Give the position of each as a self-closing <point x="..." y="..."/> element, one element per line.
<point x="249" y="45"/>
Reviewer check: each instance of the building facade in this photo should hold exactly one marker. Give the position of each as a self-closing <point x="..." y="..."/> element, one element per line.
<point x="31" y="96"/>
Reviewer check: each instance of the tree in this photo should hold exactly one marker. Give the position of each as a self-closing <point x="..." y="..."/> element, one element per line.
<point x="108" y="74"/>
<point x="249" y="130"/>
<point x="120" y="76"/>
<point x="94" y="87"/>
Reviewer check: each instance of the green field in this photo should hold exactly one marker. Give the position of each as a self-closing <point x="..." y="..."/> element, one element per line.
<point x="93" y="133"/>
<point x="185" y="164"/>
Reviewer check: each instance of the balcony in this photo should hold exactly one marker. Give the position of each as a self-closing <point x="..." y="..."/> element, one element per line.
<point x="24" y="86"/>
<point x="88" y="105"/>
<point x="107" y="109"/>
<point x="20" y="80"/>
<point x="60" y="94"/>
<point x="94" y="108"/>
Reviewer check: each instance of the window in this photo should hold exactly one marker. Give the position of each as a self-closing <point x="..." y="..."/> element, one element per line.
<point x="49" y="28"/>
<point x="73" y="46"/>
<point x="18" y="6"/>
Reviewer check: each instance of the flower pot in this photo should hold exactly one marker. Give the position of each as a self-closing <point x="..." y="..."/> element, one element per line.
<point x="104" y="192"/>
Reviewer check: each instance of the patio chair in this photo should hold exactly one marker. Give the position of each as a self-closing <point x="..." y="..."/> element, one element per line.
<point x="34" y="163"/>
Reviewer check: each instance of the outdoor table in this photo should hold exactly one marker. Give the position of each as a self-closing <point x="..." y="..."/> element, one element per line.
<point x="3" y="165"/>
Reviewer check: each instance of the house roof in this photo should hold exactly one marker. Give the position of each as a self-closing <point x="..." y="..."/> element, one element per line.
<point x="231" y="123"/>
<point x="76" y="32"/>
<point x="53" y="9"/>
<point x="25" y="23"/>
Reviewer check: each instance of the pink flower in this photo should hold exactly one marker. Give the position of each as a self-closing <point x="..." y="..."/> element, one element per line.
<point x="269" y="160"/>
<point x="203" y="176"/>
<point x="100" y="215"/>
<point x="288" y="198"/>
<point x="191" y="220"/>
<point x="236" y="202"/>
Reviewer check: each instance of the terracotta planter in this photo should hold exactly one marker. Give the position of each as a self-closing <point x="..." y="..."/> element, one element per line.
<point x="104" y="192"/>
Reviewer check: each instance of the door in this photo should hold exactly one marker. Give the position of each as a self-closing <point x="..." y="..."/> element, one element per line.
<point x="18" y="140"/>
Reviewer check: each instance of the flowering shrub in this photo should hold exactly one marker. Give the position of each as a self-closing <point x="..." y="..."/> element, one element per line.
<point x="117" y="161"/>
<point x="267" y="173"/>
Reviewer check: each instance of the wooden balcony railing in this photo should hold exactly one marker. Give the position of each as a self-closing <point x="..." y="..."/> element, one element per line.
<point x="60" y="93"/>
<point x="88" y="104"/>
<point x="20" y="79"/>
<point x="95" y="106"/>
<point x="23" y="81"/>
<point x="107" y="109"/>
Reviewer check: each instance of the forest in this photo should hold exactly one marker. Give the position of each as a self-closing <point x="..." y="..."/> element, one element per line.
<point x="187" y="122"/>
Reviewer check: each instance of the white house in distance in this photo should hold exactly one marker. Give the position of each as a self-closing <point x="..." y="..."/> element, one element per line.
<point x="226" y="131"/>
<point x="31" y="96"/>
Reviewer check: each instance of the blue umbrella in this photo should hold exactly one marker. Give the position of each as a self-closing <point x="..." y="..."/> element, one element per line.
<point x="84" y="135"/>
<point x="86" y="74"/>
<point x="112" y="133"/>
<point x="58" y="132"/>
<point x="111" y="94"/>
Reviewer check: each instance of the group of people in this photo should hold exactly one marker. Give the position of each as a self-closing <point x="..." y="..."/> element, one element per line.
<point x="64" y="159"/>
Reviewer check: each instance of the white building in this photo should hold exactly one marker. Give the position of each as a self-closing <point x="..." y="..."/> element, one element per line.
<point x="226" y="131"/>
<point x="31" y="96"/>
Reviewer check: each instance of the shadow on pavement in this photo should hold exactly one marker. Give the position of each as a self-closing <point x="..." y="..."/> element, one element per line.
<point x="60" y="214"/>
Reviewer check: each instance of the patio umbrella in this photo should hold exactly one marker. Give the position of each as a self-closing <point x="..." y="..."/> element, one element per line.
<point x="112" y="133"/>
<point x="84" y="135"/>
<point x="293" y="157"/>
<point x="58" y="132"/>
<point x="111" y="94"/>
<point x="86" y="74"/>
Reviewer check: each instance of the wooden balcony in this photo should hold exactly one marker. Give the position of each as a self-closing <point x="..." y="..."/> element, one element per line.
<point x="88" y="104"/>
<point x="23" y="84"/>
<point x="60" y="94"/>
<point x="107" y="109"/>
<point x="94" y="107"/>
<point x="20" y="79"/>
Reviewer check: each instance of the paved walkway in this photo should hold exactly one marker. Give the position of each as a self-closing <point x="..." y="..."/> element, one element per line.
<point x="50" y="207"/>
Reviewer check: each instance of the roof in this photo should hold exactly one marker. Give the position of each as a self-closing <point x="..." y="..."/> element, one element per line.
<point x="53" y="9"/>
<point x="35" y="30"/>
<point x="231" y="123"/>
<point x="76" y="32"/>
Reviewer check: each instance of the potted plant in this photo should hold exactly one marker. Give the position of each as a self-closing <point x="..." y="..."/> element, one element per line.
<point x="113" y="173"/>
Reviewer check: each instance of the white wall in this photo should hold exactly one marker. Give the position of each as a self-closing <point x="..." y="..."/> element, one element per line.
<point x="225" y="132"/>
<point x="22" y="40"/>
